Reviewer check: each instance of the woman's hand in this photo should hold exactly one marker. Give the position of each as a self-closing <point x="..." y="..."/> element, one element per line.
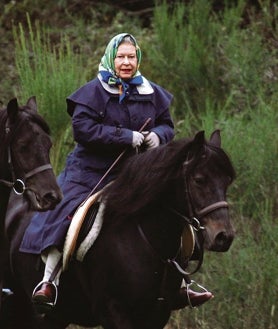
<point x="151" y="139"/>
<point x="137" y="138"/>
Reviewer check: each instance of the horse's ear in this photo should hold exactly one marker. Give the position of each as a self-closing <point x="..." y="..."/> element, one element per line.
<point x="199" y="138"/>
<point x="12" y="109"/>
<point x="215" y="138"/>
<point x="195" y="146"/>
<point x="32" y="103"/>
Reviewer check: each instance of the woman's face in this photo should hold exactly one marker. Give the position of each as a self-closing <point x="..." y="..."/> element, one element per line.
<point x="126" y="61"/>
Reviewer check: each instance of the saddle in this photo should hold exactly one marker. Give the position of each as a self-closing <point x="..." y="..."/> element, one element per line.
<point x="85" y="226"/>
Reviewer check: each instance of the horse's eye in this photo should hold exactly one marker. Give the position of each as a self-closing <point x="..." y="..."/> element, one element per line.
<point x="198" y="179"/>
<point x="22" y="147"/>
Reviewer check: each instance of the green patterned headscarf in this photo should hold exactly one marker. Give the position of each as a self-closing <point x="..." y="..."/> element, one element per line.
<point x="107" y="66"/>
<point x="107" y="61"/>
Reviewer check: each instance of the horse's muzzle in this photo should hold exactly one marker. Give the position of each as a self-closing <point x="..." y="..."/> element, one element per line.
<point x="218" y="240"/>
<point x="222" y="242"/>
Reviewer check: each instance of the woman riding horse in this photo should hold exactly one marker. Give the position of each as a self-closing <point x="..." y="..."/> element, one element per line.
<point x="107" y="117"/>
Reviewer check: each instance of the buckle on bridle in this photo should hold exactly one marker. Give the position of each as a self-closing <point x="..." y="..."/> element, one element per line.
<point x="19" y="187"/>
<point x="196" y="224"/>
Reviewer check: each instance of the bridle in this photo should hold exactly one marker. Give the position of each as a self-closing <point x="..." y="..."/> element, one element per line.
<point x="18" y="184"/>
<point x="193" y="219"/>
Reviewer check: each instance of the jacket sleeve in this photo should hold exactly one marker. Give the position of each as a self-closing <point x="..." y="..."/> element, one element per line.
<point x="164" y="126"/>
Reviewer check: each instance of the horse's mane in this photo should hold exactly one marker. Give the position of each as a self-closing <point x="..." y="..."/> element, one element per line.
<point x="145" y="176"/>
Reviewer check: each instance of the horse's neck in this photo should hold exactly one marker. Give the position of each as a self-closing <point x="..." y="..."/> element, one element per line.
<point x="4" y="198"/>
<point x="163" y="233"/>
<point x="17" y="209"/>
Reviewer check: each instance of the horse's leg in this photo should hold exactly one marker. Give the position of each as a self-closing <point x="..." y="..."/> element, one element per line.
<point x="3" y="260"/>
<point x="115" y="316"/>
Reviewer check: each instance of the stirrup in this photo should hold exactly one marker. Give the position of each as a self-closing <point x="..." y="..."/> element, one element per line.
<point x="55" y="288"/>
<point x="188" y="286"/>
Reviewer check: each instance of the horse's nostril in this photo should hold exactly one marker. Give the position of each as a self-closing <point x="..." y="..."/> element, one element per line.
<point x="223" y="241"/>
<point x="52" y="197"/>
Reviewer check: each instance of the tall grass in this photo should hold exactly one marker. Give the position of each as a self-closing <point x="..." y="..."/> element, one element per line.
<point x="51" y="73"/>
<point x="222" y="76"/>
<point x="244" y="281"/>
<point x="222" y="69"/>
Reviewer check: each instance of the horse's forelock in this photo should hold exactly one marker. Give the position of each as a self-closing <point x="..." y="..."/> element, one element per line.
<point x="226" y="163"/>
<point x="24" y="114"/>
<point x="223" y="160"/>
<point x="35" y="117"/>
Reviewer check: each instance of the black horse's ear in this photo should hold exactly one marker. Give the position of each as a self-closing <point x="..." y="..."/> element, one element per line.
<point x="12" y="109"/>
<point x="195" y="147"/>
<point x="32" y="103"/>
<point x="215" y="138"/>
<point x="199" y="138"/>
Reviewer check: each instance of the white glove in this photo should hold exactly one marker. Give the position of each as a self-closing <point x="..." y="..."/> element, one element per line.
<point x="152" y="140"/>
<point x="137" y="138"/>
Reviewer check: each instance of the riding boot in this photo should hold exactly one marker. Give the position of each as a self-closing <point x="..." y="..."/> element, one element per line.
<point x="45" y="293"/>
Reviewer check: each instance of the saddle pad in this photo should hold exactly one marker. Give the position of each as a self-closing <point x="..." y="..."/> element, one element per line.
<point x="187" y="241"/>
<point x="89" y="240"/>
<point x="75" y="227"/>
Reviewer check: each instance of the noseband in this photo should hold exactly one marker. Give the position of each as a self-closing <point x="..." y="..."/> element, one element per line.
<point x="194" y="221"/>
<point x="214" y="206"/>
<point x="17" y="184"/>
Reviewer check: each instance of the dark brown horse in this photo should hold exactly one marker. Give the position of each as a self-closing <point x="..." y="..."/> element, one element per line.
<point x="24" y="163"/>
<point x="128" y="278"/>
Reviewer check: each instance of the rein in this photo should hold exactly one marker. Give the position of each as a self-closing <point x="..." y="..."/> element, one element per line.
<point x="18" y="184"/>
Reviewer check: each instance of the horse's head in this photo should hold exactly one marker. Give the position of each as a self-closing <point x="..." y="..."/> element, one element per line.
<point x="208" y="173"/>
<point x="27" y="144"/>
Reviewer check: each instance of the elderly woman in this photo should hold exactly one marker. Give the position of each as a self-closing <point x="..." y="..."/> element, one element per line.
<point x="107" y="114"/>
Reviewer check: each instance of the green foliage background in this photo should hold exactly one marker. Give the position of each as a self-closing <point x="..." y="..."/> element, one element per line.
<point x="222" y="68"/>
